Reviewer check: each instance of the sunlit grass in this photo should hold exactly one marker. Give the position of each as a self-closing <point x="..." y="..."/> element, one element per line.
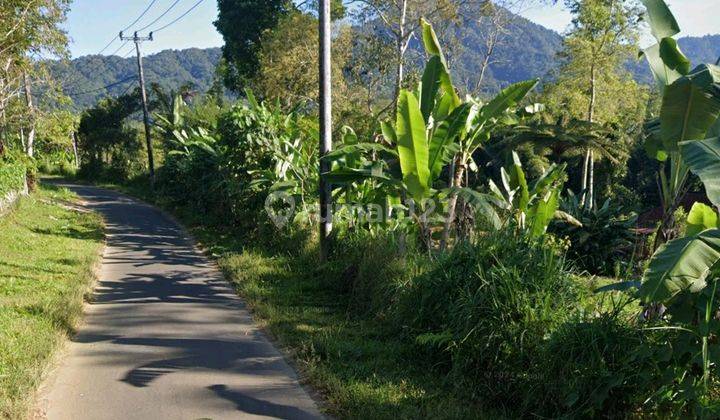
<point x="48" y="249"/>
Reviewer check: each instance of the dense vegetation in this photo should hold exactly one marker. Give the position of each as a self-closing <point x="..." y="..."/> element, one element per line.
<point x="84" y="79"/>
<point x="546" y="252"/>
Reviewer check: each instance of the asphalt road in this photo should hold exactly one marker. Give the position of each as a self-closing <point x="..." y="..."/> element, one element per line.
<point x="165" y="337"/>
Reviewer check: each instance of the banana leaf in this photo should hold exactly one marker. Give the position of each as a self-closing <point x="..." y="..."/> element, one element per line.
<point x="412" y="146"/>
<point x="683" y="264"/>
<point x="691" y="105"/>
<point x="703" y="159"/>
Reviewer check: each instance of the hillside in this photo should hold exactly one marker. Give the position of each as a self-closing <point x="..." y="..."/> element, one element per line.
<point x="84" y="78"/>
<point x="528" y="51"/>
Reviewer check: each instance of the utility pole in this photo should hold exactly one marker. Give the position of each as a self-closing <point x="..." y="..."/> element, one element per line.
<point x="146" y="117"/>
<point x="325" y="126"/>
<point x="30" y="146"/>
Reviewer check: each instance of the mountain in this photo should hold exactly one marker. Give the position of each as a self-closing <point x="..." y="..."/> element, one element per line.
<point x="84" y="79"/>
<point x="705" y="49"/>
<point x="527" y="51"/>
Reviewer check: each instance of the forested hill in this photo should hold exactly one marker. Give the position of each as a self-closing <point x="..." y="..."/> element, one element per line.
<point x="84" y="78"/>
<point x="704" y="49"/>
<point x="530" y="50"/>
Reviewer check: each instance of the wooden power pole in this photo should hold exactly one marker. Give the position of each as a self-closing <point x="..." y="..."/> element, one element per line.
<point x="146" y="115"/>
<point x="325" y="126"/>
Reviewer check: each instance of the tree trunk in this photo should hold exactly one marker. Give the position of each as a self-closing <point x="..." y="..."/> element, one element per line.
<point x="401" y="45"/>
<point x="452" y="202"/>
<point x="593" y="93"/>
<point x="584" y="179"/>
<point x="75" y="150"/>
<point x="483" y="69"/>
<point x="591" y="181"/>
<point x="30" y="145"/>
<point x="589" y="166"/>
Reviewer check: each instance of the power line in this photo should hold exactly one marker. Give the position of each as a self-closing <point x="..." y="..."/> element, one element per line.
<point x="126" y="90"/>
<point x="102" y="88"/>
<point x="130" y="51"/>
<point x="127" y="27"/>
<point x="179" y="17"/>
<point x="139" y="17"/>
<point x="120" y="47"/>
<point x="159" y="17"/>
<point x="106" y="46"/>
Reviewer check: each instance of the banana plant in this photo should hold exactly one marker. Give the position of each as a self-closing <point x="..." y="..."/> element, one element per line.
<point x="690" y="108"/>
<point x="485" y="119"/>
<point x="683" y="274"/>
<point x="433" y="129"/>
<point x="531" y="206"/>
<point x="417" y="146"/>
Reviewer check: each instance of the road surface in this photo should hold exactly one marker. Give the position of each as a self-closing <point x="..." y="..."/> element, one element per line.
<point x="165" y="337"/>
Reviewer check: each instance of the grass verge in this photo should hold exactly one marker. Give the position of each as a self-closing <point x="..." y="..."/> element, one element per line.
<point x="48" y="250"/>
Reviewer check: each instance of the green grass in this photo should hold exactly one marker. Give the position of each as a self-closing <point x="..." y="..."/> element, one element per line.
<point x="47" y="255"/>
<point x="363" y="368"/>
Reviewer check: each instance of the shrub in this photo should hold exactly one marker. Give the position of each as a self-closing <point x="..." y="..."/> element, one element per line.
<point x="371" y="271"/>
<point x="260" y="148"/>
<point x="15" y="170"/>
<point x="605" y="242"/>
<point x="487" y="307"/>
<point x="594" y="365"/>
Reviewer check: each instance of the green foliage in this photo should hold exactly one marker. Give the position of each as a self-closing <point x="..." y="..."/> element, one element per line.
<point x="703" y="159"/>
<point x="597" y="365"/>
<point x="262" y="148"/>
<point x="485" y="310"/>
<point x="593" y="84"/>
<point x="109" y="146"/>
<point x="242" y="24"/>
<point x="605" y="243"/>
<point x="682" y="274"/>
<point x="13" y="171"/>
<point x="530" y="207"/>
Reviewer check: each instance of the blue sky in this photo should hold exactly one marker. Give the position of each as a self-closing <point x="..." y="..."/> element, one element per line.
<point x="93" y="23"/>
<point x="696" y="17"/>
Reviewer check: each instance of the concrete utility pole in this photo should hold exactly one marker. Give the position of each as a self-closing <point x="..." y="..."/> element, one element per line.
<point x="30" y="146"/>
<point x="146" y="117"/>
<point x="325" y="126"/>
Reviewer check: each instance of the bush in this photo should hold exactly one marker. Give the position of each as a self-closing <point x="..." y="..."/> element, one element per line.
<point x="605" y="243"/>
<point x="595" y="365"/>
<point x="486" y="308"/>
<point x="261" y="147"/>
<point x="15" y="170"/>
<point x="371" y="271"/>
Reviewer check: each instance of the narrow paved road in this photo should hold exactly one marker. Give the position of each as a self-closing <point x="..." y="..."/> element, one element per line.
<point x="165" y="337"/>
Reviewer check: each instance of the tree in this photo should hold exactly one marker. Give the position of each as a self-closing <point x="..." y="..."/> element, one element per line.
<point x="29" y="31"/>
<point x="593" y="84"/>
<point x="288" y="72"/>
<point x="398" y="21"/>
<point x="242" y="24"/>
<point x="105" y="138"/>
<point x="495" y="20"/>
